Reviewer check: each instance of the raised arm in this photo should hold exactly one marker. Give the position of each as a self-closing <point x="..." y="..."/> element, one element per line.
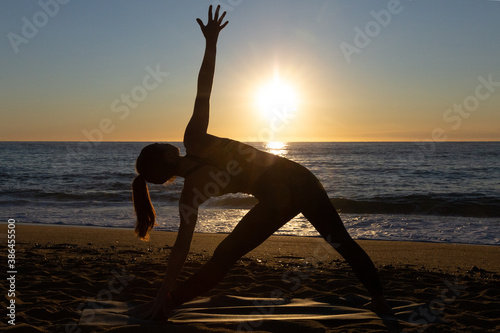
<point x="196" y="130"/>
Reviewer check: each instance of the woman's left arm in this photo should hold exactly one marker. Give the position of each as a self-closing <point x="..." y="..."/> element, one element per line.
<point x="195" y="135"/>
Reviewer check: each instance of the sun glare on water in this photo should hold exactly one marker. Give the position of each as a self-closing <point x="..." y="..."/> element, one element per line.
<point x="277" y="148"/>
<point x="275" y="97"/>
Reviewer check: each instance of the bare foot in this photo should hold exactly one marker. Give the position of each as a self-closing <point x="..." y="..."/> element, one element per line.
<point x="380" y="307"/>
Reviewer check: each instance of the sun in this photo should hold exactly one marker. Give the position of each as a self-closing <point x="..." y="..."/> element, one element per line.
<point x="276" y="96"/>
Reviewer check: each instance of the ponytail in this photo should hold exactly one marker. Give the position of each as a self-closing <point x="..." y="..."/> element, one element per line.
<point x="143" y="208"/>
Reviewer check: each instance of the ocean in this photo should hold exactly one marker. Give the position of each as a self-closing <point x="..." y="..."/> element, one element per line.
<point x="434" y="192"/>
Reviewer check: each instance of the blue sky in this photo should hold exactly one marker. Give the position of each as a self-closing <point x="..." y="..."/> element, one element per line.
<point x="414" y="72"/>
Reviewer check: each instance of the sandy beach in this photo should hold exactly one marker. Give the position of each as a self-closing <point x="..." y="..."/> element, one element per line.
<point x="59" y="268"/>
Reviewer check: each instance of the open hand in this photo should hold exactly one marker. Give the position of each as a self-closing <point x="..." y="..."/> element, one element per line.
<point x="214" y="25"/>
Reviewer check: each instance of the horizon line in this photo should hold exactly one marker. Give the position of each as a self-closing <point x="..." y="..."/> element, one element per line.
<point x="284" y="141"/>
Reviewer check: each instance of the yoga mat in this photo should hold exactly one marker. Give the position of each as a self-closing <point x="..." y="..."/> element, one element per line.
<point x="227" y="309"/>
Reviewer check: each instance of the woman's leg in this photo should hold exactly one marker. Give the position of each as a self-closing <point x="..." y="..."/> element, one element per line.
<point x="255" y="227"/>
<point x="322" y="214"/>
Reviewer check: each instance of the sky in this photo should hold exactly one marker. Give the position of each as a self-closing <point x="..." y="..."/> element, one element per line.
<point x="364" y="70"/>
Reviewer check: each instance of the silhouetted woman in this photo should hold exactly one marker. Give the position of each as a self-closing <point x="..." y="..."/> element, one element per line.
<point x="215" y="166"/>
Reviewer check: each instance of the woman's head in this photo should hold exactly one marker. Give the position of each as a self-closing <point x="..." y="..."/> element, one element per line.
<point x="157" y="163"/>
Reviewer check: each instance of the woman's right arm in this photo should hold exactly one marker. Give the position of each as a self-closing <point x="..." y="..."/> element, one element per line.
<point x="188" y="211"/>
<point x="195" y="136"/>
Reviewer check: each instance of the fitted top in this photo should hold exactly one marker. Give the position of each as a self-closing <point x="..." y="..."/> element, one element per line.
<point x="240" y="165"/>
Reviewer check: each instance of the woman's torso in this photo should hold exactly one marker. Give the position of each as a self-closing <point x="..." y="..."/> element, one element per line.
<point x="238" y="166"/>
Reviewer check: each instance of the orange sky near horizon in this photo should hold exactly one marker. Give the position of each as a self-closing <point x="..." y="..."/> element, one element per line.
<point x="361" y="71"/>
